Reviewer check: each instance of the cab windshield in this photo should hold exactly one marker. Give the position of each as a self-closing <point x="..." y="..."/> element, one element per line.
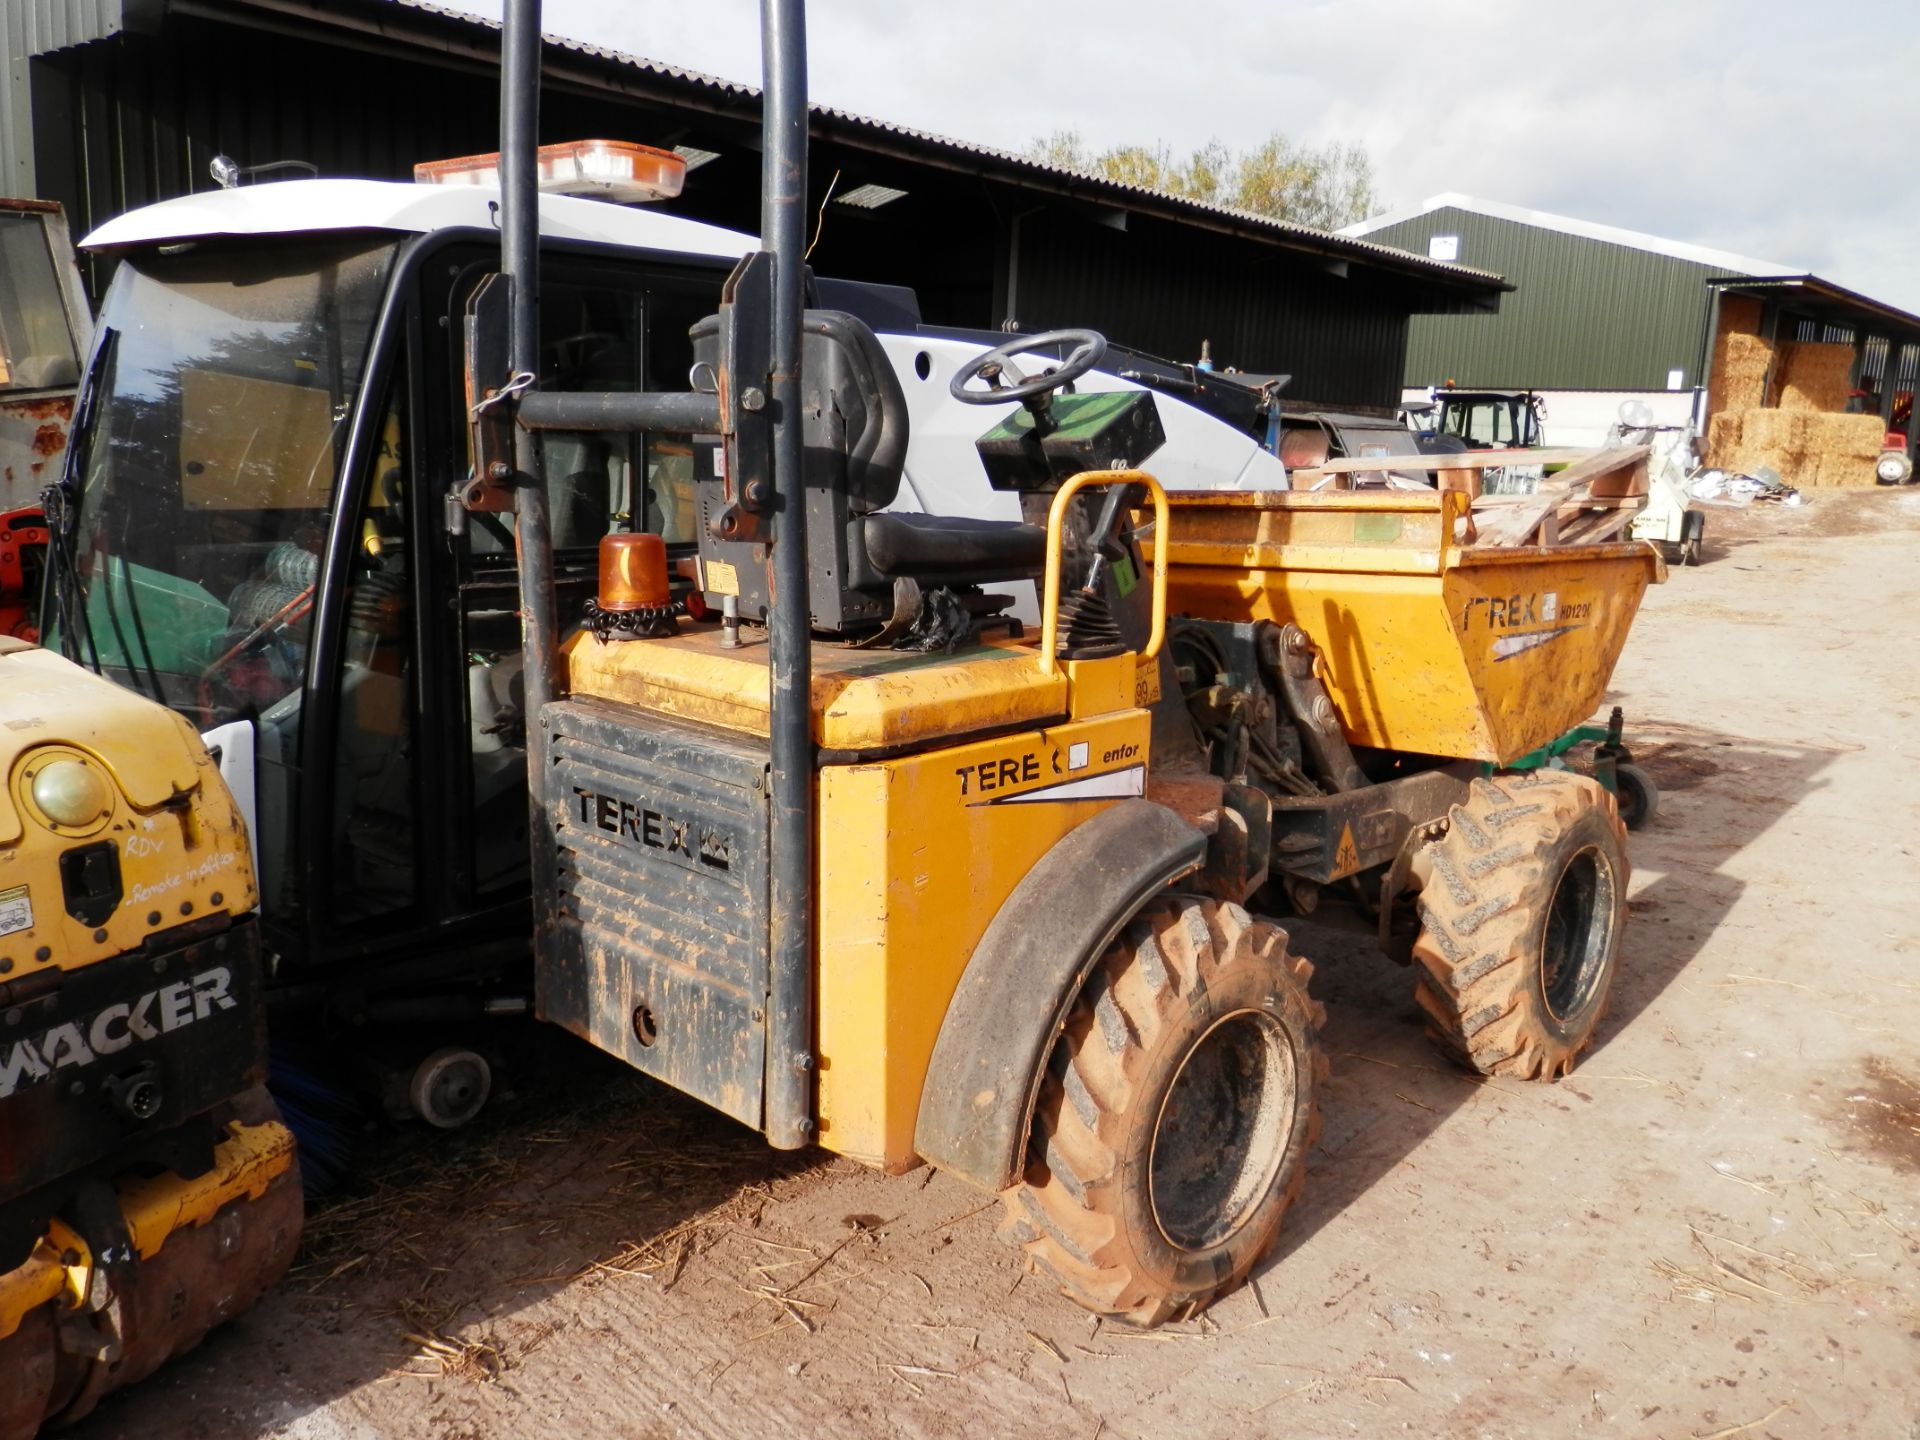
<point x="207" y="445"/>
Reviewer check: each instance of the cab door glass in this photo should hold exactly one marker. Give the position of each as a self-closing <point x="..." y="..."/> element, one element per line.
<point x="591" y="339"/>
<point x="602" y="329"/>
<point x="372" y="795"/>
<point x="38" y="347"/>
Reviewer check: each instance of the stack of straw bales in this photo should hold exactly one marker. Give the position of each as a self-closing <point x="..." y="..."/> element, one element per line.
<point x="1740" y="358"/>
<point x="1806" y="448"/>
<point x="1814" y="377"/>
<point x="1801" y="435"/>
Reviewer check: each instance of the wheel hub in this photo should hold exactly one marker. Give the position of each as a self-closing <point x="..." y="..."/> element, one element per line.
<point x="1223" y="1130"/>
<point x="1579" y="936"/>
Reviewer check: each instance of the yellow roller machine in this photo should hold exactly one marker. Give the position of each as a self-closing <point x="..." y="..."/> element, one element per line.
<point x="147" y="1190"/>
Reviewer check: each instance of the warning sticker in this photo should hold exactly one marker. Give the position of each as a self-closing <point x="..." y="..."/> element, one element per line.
<point x="16" y="910"/>
<point x="721" y="578"/>
<point x="1346" y="857"/>
<point x="1146" y="683"/>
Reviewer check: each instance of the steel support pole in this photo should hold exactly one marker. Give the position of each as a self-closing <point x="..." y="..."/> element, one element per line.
<point x="520" y="262"/>
<point x="783" y="201"/>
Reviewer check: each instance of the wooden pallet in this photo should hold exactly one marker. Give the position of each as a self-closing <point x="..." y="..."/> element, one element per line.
<point x="1593" y="499"/>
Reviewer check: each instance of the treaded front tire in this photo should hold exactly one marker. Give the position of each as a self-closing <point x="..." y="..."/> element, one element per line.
<point x="1521" y="919"/>
<point x="1173" y="1124"/>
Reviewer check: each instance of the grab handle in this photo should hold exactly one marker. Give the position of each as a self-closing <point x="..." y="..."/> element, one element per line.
<point x="1056" y="521"/>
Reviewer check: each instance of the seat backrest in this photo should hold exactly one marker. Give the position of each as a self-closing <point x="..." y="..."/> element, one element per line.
<point x="854" y="424"/>
<point x="856" y="413"/>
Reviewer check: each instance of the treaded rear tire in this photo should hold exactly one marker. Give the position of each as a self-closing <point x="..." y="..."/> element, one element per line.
<point x="1189" y="980"/>
<point x="1488" y="921"/>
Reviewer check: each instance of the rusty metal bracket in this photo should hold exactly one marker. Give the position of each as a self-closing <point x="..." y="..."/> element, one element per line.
<point x="744" y="378"/>
<point x="1289" y="655"/>
<point x="489" y="384"/>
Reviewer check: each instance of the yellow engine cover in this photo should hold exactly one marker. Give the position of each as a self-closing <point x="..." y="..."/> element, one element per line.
<point x="916" y="856"/>
<point x="86" y="766"/>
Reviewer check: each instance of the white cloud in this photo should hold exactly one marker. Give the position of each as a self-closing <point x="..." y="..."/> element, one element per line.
<point x="1764" y="127"/>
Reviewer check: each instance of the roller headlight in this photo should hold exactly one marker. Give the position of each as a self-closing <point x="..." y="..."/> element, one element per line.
<point x="72" y="793"/>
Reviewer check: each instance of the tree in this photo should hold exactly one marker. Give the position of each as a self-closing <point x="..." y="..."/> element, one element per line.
<point x="1329" y="185"/>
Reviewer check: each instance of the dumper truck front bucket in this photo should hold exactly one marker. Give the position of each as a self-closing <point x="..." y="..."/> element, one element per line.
<point x="1429" y="646"/>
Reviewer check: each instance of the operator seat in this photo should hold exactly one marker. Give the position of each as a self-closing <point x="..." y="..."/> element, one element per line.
<point x="854" y="420"/>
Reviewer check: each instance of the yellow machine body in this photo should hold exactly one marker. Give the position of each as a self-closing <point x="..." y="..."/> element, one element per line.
<point x="942" y="780"/>
<point x="181" y="844"/>
<point x="917" y="850"/>
<point x="143" y="1175"/>
<point x="1429" y="646"/>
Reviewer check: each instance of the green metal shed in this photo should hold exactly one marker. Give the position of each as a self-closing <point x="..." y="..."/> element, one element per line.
<point x="1594" y="307"/>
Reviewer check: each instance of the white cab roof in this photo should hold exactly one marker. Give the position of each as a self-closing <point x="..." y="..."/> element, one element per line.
<point x="303" y="206"/>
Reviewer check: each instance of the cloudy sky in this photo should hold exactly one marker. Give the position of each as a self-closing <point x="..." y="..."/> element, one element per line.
<point x="1764" y="127"/>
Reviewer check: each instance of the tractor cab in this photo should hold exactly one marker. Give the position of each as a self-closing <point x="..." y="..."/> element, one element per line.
<point x="1487" y="419"/>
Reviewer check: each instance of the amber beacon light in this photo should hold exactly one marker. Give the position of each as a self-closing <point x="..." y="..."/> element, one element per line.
<point x="613" y="170"/>
<point x="634" y="597"/>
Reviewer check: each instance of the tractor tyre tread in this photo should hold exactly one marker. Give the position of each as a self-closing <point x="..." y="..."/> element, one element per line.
<point x="1482" y="913"/>
<point x="1068" y="1214"/>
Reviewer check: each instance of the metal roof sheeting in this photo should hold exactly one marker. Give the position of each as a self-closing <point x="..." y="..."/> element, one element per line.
<point x="1094" y="187"/>
<point x="364" y="88"/>
<point x="1725" y="260"/>
<point x="1824" y="301"/>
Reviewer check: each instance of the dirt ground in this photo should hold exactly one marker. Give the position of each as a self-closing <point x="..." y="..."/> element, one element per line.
<point x="1711" y="1229"/>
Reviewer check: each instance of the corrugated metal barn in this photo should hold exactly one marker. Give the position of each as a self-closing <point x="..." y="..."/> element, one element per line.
<point x="1594" y="308"/>
<point x="108" y="104"/>
<point x="1597" y="308"/>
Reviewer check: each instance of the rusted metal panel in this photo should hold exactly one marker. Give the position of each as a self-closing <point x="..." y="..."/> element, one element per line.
<point x="656" y="950"/>
<point x="33" y="438"/>
<point x="34" y="422"/>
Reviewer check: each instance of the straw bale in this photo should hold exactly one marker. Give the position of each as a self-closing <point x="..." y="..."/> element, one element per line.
<point x="1740" y="365"/>
<point x="1723" y="436"/>
<point x="1739" y="312"/>
<point x="1794" y="467"/>
<point x="1856" y="438"/>
<point x="1843" y="472"/>
<point x="1815" y="376"/>
<point x="1783" y="430"/>
<point x="1747" y="352"/>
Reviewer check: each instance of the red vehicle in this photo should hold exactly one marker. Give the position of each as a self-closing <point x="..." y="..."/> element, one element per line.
<point x="23" y="547"/>
<point x="45" y="326"/>
<point x="1895" y="465"/>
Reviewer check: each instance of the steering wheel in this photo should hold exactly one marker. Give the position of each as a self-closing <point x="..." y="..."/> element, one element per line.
<point x="1089" y="346"/>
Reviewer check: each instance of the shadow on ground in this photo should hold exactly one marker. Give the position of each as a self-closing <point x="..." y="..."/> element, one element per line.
<point x="587" y="1168"/>
<point x="1391" y="1089"/>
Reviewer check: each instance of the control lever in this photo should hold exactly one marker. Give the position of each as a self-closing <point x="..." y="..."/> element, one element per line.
<point x="1105" y="538"/>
